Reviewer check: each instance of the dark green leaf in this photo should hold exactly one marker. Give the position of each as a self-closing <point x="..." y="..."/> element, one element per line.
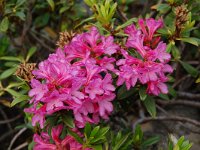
<point x="151" y="141"/>
<point x="150" y="106"/>
<point x="142" y="93"/>
<point x="87" y="130"/>
<point x="120" y="143"/>
<point x="138" y="135"/>
<point x="68" y="120"/>
<point x="164" y="96"/>
<point x="76" y="136"/>
<point x="175" y="52"/>
<point x="123" y="93"/>
<point x="31" y="51"/>
<point x="21" y="15"/>
<point x="190" y="69"/>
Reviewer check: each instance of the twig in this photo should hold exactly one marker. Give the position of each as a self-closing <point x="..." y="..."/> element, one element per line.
<point x="6" y="118"/>
<point x="121" y="15"/>
<point x="7" y="134"/>
<point x="170" y="118"/>
<point x="10" y="120"/>
<point x="188" y="95"/>
<point x="181" y="123"/>
<point x="41" y="42"/>
<point x="179" y="102"/>
<point x="15" y="137"/>
<point x="21" y="146"/>
<point x="180" y="80"/>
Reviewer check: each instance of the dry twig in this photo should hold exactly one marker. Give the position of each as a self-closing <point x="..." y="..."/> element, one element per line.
<point x="16" y="136"/>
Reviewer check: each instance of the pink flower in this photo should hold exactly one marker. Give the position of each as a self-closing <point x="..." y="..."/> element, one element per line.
<point x="38" y="90"/>
<point x="151" y="67"/>
<point x="135" y="40"/>
<point x="152" y="25"/>
<point x="67" y="143"/>
<point x="105" y="105"/>
<point x="74" y="79"/>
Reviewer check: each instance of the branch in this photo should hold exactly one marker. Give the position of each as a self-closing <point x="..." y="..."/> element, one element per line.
<point x="188" y="95"/>
<point x="170" y="118"/>
<point x="16" y="136"/>
<point x="21" y="146"/>
<point x="121" y="15"/>
<point x="10" y="120"/>
<point x="179" y="102"/>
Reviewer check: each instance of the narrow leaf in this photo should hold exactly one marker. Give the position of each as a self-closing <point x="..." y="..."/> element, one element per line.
<point x="150" y="106"/>
<point x="8" y="73"/>
<point x="51" y="4"/>
<point x="19" y="99"/>
<point x="190" y="69"/>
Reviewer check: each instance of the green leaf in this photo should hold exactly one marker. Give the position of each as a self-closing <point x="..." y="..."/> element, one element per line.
<point x="150" y="106"/>
<point x="8" y="73"/>
<point x="142" y="93"/>
<point x="19" y="3"/>
<point x="164" y="96"/>
<point x="151" y="141"/>
<point x="98" y="147"/>
<point x="122" y="93"/>
<point x="51" y="4"/>
<point x="120" y="143"/>
<point x="84" y="21"/>
<point x="31" y="145"/>
<point x="31" y="51"/>
<point x="19" y="99"/>
<point x="138" y="135"/>
<point x="10" y="58"/>
<point x="162" y="8"/>
<point x="76" y="136"/>
<point x="87" y="130"/>
<point x="13" y="92"/>
<point x="191" y="40"/>
<point x="103" y="131"/>
<point x="172" y="92"/>
<point x="94" y="131"/>
<point x="63" y="9"/>
<point x="130" y="21"/>
<point x="15" y="84"/>
<point x="190" y="69"/>
<point x="21" y="15"/>
<point x="4" y="24"/>
<point x="170" y="47"/>
<point x="68" y="120"/>
<point x="175" y="52"/>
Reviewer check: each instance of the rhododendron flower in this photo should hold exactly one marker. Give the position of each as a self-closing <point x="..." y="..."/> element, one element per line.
<point x="77" y="78"/>
<point x="152" y="68"/>
<point x="43" y="141"/>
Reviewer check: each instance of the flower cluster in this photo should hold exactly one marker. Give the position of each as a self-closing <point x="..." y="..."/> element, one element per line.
<point x="77" y="78"/>
<point x="44" y="142"/>
<point x="152" y="66"/>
